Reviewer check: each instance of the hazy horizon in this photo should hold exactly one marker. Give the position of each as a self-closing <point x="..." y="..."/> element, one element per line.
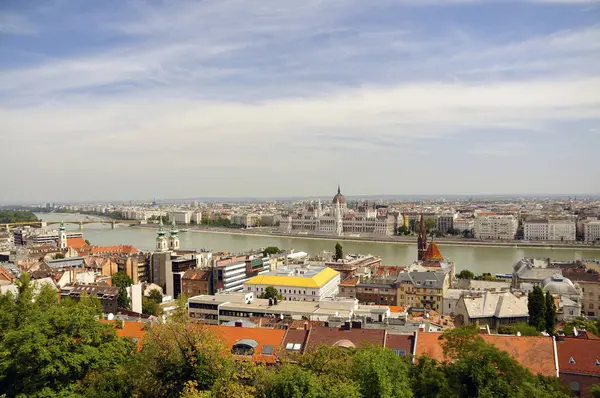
<point x="280" y="98"/>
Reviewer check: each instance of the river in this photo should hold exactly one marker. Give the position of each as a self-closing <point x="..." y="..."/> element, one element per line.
<point x="478" y="259"/>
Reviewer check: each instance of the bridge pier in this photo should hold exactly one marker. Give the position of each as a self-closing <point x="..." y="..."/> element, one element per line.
<point x="80" y="226"/>
<point x="112" y="225"/>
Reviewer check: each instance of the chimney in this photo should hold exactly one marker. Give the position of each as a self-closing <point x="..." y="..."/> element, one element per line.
<point x="238" y="324"/>
<point x="305" y="325"/>
<point x="270" y="301"/>
<point x="275" y="301"/>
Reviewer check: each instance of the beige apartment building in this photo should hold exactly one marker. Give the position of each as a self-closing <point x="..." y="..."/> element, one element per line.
<point x="591" y="298"/>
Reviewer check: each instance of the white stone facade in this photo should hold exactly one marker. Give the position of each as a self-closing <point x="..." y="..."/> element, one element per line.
<point x="495" y="227"/>
<point x="464" y="224"/>
<point x="591" y="231"/>
<point x="549" y="230"/>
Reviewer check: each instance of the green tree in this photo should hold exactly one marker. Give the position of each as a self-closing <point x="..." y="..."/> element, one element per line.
<point x="155" y="295"/>
<point x="291" y="381"/>
<point x="271" y="250"/>
<point x="150" y="307"/>
<point x="429" y="225"/>
<point x="581" y="324"/>
<point x="271" y="293"/>
<point x="122" y="281"/>
<point x="465" y="274"/>
<point x="523" y="328"/>
<point x="428" y="379"/>
<point x="12" y="216"/>
<point x="403" y="230"/>
<point x="51" y="346"/>
<point x="595" y="391"/>
<point x="536" y="304"/>
<point x="87" y="242"/>
<point x="339" y="251"/>
<point x="412" y="226"/>
<point x="380" y="373"/>
<point x="59" y="256"/>
<point x="550" y="316"/>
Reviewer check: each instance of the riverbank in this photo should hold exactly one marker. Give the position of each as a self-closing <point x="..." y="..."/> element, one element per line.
<point x="402" y="240"/>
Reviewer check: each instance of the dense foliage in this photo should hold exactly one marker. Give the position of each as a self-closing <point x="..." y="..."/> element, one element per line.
<point x="271" y="293"/>
<point x="11" y="216"/>
<point x="582" y="324"/>
<point x="271" y="250"/>
<point x="465" y="274"/>
<point x="122" y="281"/>
<point x="339" y="251"/>
<point x="50" y="348"/>
<point x="523" y="328"/>
<point x="536" y="304"/>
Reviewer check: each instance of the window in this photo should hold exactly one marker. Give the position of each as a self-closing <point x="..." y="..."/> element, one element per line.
<point x="575" y="388"/>
<point x="571" y="360"/>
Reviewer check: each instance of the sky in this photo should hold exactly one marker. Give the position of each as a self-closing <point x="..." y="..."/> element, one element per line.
<point x="132" y="100"/>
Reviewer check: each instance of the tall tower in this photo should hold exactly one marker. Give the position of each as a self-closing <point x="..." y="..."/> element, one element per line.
<point x="339" y="226"/>
<point x="174" y="239"/>
<point x="161" y="240"/>
<point x="62" y="237"/>
<point x="422" y="240"/>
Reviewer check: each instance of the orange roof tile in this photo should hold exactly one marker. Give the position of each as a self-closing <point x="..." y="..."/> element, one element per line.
<point x="396" y="308"/>
<point x="579" y="356"/>
<point x="231" y="335"/>
<point x="534" y="353"/>
<point x="132" y="330"/>
<point x="125" y="249"/>
<point x="76" y="243"/>
<point x="350" y="281"/>
<point x="433" y="253"/>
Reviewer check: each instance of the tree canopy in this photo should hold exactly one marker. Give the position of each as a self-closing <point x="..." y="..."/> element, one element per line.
<point x="536" y="304"/>
<point x="271" y="250"/>
<point x="50" y="348"/>
<point x="339" y="251"/>
<point x="11" y="216"/>
<point x="270" y="293"/>
<point x="465" y="274"/>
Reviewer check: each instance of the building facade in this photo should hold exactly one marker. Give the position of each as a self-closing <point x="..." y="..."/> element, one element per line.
<point x="591" y="231"/>
<point x="549" y="230"/>
<point x="495" y="227"/>
<point x="464" y="224"/>
<point x="423" y="289"/>
<point x="229" y="274"/>
<point x="298" y="283"/>
<point x="339" y="221"/>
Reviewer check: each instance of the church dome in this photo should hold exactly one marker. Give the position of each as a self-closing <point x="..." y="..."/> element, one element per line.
<point x="338" y="198"/>
<point x="558" y="285"/>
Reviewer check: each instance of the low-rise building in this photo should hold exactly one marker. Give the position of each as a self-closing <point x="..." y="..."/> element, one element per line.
<point x="227" y="307"/>
<point x="579" y="363"/>
<point x="379" y="291"/>
<point x="492" y="309"/>
<point x="532" y="271"/>
<point x="298" y="283"/>
<point x="105" y="293"/>
<point x="591" y="231"/>
<point x="230" y="273"/>
<point x="591" y="298"/>
<point x="195" y="282"/>
<point x="549" y="230"/>
<point x="419" y="288"/>
<point x="355" y="265"/>
<point x="464" y="224"/>
<point x="495" y="227"/>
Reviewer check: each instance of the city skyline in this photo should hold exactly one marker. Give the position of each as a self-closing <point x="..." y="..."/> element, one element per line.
<point x="126" y="100"/>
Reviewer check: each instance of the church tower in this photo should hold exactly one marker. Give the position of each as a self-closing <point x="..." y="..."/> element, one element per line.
<point x="174" y="239"/>
<point x="161" y="240"/>
<point x="62" y="237"/>
<point x="422" y="240"/>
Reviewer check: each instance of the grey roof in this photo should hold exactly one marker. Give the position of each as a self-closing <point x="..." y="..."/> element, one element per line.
<point x="66" y="262"/>
<point x="248" y="342"/>
<point x="499" y="305"/>
<point x="558" y="285"/>
<point x="428" y="279"/>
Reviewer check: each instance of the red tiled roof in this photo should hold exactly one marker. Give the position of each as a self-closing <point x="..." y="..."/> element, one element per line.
<point x="125" y="249"/>
<point x="535" y="353"/>
<point x="231" y="335"/>
<point x="132" y="330"/>
<point x="585" y="354"/>
<point x="587" y="335"/>
<point x="340" y="337"/>
<point x="433" y="253"/>
<point x="294" y="336"/>
<point x="396" y="308"/>
<point x="76" y="243"/>
<point x="350" y="282"/>
<point x="196" y="274"/>
<point x="400" y="342"/>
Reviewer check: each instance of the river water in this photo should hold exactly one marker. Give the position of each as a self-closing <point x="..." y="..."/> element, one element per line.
<point x="479" y="259"/>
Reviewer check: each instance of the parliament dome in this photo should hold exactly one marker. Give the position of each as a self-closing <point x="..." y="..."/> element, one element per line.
<point x="338" y="198"/>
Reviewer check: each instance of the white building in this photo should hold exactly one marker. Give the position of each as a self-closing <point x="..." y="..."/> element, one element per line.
<point x="339" y="221"/>
<point x="496" y="227"/>
<point x="197" y="217"/>
<point x="299" y="283"/>
<point x="549" y="230"/>
<point x="181" y="217"/>
<point x="245" y="219"/>
<point x="591" y="231"/>
<point x="464" y="224"/>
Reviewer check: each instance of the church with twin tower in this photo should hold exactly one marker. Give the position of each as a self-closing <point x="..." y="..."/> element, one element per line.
<point x="163" y="243"/>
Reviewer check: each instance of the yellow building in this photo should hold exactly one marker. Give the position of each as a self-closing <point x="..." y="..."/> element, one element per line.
<point x="297" y="283"/>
